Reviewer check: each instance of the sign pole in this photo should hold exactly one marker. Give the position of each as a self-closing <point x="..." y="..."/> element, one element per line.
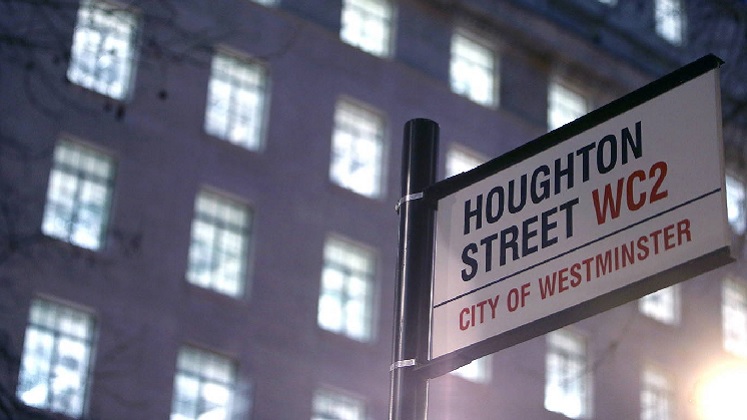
<point x="409" y="387"/>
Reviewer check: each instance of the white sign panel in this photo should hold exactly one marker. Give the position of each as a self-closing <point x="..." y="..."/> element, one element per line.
<point x="638" y="194"/>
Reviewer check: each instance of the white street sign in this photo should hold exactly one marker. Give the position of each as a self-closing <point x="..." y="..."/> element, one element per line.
<point x="636" y="195"/>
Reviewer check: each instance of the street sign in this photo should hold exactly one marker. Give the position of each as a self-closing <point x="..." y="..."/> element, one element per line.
<point x="620" y="203"/>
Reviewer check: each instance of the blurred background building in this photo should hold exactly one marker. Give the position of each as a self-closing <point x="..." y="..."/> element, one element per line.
<point x="197" y="203"/>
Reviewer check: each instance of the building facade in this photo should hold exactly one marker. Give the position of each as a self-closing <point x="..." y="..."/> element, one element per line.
<point x="198" y="205"/>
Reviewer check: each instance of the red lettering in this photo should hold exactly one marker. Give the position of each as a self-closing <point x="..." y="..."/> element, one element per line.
<point x="547" y="287"/>
<point x="642" y="248"/>
<point x="683" y="229"/>
<point x="655" y="236"/>
<point x="669" y="237"/>
<point x="608" y="202"/>
<point x="576" y="275"/>
<point x="660" y="167"/>
<point x="462" y="324"/>
<point x="563" y="280"/>
<point x="632" y="204"/>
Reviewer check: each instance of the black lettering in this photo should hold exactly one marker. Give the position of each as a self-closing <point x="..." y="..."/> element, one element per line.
<point x="490" y="216"/>
<point x="488" y="243"/>
<point x="636" y="146"/>
<point x="526" y="235"/>
<point x="567" y="172"/>
<point x="567" y="207"/>
<point x="543" y="185"/>
<point x="509" y="243"/>
<point x="469" y="213"/>
<point x="547" y="227"/>
<point x="471" y="262"/>
<point x="611" y="140"/>
<point x="522" y="196"/>
<point x="584" y="153"/>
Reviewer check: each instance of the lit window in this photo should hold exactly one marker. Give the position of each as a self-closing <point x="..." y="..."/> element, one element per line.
<point x="78" y="195"/>
<point x="476" y="371"/>
<point x="102" y="56"/>
<point x="567" y="388"/>
<point x="473" y="70"/>
<point x="662" y="305"/>
<point x="267" y="2"/>
<point x="346" y="290"/>
<point x="609" y="2"/>
<point x="656" y="396"/>
<point x="220" y="241"/>
<point x="236" y="101"/>
<point x="334" y="405"/>
<point x="735" y="205"/>
<point x="56" y="356"/>
<point x="357" y="150"/>
<point x="669" y="18"/>
<point x="459" y="160"/>
<point x="564" y="105"/>
<point x="734" y="317"/>
<point x="204" y="386"/>
<point x="366" y="24"/>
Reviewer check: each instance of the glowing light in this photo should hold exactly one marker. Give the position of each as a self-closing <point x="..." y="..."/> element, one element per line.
<point x="721" y="396"/>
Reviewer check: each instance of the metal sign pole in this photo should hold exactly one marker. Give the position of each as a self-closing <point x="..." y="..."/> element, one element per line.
<point x="408" y="386"/>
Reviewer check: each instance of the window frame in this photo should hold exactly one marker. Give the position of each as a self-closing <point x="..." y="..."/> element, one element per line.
<point x="650" y="389"/>
<point x="337" y="397"/>
<point x="734" y="304"/>
<point x="478" y="370"/>
<point x="568" y="90"/>
<point x="584" y="377"/>
<point x="670" y="21"/>
<point x="203" y="375"/>
<point x="83" y="171"/>
<point x="52" y="323"/>
<point x="96" y="13"/>
<point x="736" y="190"/>
<point x="460" y="159"/>
<point x="465" y="86"/>
<point x="241" y="77"/>
<point x="652" y="304"/>
<point x="357" y="36"/>
<point x="217" y="227"/>
<point x="338" y="245"/>
<point x="348" y="136"/>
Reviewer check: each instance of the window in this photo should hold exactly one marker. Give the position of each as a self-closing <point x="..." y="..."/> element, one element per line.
<point x="609" y="2"/>
<point x="656" y="396"/>
<point x="669" y="18"/>
<point x="103" y="52"/>
<point x="357" y="150"/>
<point x="267" y="2"/>
<point x="220" y="242"/>
<point x="367" y="24"/>
<point x="735" y="205"/>
<point x="330" y="405"/>
<point x="459" y="160"/>
<point x="78" y="195"/>
<point x="346" y="290"/>
<point x="662" y="305"/>
<point x="476" y="371"/>
<point x="236" y="101"/>
<point x="564" y="105"/>
<point x="204" y="386"/>
<point x="473" y="70"/>
<point x="56" y="357"/>
<point x="734" y="317"/>
<point x="567" y="382"/>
